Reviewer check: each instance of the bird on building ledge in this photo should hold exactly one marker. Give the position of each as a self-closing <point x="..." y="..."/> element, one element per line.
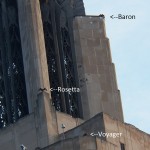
<point x="42" y="89"/>
<point x="102" y="16"/>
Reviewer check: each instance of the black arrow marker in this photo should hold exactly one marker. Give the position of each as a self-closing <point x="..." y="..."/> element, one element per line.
<point x="112" y="17"/>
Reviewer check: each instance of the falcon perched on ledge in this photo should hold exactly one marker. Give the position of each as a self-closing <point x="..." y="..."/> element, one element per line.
<point x="101" y="16"/>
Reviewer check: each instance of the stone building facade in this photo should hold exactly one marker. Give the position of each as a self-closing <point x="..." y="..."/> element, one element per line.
<point x="51" y="44"/>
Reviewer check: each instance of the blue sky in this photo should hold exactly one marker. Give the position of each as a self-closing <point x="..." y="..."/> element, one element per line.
<point x="130" y="47"/>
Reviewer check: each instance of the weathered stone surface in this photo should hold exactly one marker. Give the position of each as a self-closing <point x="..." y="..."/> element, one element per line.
<point x="36" y="71"/>
<point x="22" y="132"/>
<point x="80" y="137"/>
<point x="33" y="49"/>
<point x="99" y="91"/>
<point x="133" y="138"/>
<point x="68" y="121"/>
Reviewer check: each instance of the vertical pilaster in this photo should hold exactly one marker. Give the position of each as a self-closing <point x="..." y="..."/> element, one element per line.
<point x="33" y="49"/>
<point x="36" y="71"/>
<point x="46" y="126"/>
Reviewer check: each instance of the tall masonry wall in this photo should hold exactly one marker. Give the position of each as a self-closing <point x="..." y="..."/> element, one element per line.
<point x="96" y="72"/>
<point x="87" y="136"/>
<point x="26" y="131"/>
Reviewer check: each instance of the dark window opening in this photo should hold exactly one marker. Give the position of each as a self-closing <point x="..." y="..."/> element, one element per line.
<point x="13" y="99"/>
<point x="122" y="146"/>
<point x="59" y="57"/>
<point x="71" y="98"/>
<point x="51" y="53"/>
